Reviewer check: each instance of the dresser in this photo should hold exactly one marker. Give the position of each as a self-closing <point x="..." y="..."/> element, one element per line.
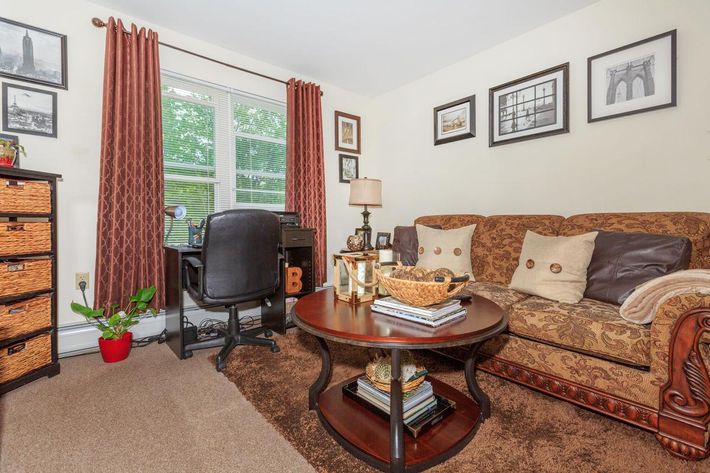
<point x="28" y="277"/>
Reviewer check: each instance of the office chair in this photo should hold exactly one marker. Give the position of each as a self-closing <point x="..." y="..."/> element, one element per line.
<point x="239" y="263"/>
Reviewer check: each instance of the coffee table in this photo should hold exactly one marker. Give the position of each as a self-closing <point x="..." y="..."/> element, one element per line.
<point x="363" y="433"/>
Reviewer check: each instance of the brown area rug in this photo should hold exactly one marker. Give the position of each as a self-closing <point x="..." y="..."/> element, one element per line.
<point x="527" y="431"/>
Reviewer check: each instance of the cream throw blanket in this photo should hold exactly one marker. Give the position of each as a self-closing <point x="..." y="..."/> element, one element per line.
<point x="642" y="304"/>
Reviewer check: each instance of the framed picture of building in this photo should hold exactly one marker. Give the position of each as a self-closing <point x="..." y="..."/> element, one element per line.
<point x="347" y="132"/>
<point x="32" y="54"/>
<point x="534" y="106"/>
<point x="635" y="78"/>
<point x="455" y="121"/>
<point x="30" y="111"/>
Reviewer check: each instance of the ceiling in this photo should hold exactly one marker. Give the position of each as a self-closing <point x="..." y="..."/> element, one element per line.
<point x="365" y="46"/>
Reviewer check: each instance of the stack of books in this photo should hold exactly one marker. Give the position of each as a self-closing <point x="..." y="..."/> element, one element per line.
<point x="433" y="316"/>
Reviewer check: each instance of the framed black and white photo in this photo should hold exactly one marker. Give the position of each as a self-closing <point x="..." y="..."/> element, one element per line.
<point x="531" y="107"/>
<point x="635" y="78"/>
<point x="455" y="121"/>
<point x="347" y="132"/>
<point x="32" y="54"/>
<point x="382" y="242"/>
<point x="348" y="168"/>
<point x="28" y="110"/>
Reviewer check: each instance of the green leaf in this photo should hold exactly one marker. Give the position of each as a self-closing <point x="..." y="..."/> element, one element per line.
<point x="114" y="320"/>
<point x="141" y="305"/>
<point x="146" y="294"/>
<point x="108" y="334"/>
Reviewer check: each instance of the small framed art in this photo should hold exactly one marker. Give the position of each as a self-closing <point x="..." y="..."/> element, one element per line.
<point x="349" y="168"/>
<point x="347" y="132"/>
<point x="28" y="110"/>
<point x="635" y="78"/>
<point x="383" y="241"/>
<point x="15" y="140"/>
<point x="531" y="107"/>
<point x="455" y="121"/>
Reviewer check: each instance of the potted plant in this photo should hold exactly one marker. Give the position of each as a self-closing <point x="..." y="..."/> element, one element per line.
<point x="9" y="150"/>
<point x="116" y="337"/>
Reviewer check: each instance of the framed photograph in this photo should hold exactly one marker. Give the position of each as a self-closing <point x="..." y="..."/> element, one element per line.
<point x="635" y="78"/>
<point x="455" y="121"/>
<point x="349" y="168"/>
<point x="383" y="241"/>
<point x="532" y="107"/>
<point x="28" y="110"/>
<point x="32" y="54"/>
<point x="347" y="132"/>
<point x="15" y="140"/>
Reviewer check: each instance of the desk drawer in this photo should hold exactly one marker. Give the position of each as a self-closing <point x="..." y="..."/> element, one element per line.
<point x="24" y="238"/>
<point x="296" y="238"/>
<point x="21" y="318"/>
<point x="26" y="275"/>
<point x="18" y="196"/>
<point x="21" y="358"/>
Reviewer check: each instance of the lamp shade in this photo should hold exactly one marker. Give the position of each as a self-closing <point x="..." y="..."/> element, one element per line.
<point x="366" y="192"/>
<point x="177" y="212"/>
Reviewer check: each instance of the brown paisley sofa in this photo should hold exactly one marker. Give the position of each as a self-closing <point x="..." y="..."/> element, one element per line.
<point x="652" y="376"/>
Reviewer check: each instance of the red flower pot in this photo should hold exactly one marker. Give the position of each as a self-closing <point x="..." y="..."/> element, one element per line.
<point x="116" y="349"/>
<point x="6" y="161"/>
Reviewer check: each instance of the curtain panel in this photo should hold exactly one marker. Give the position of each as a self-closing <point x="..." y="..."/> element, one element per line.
<point x="129" y="245"/>
<point x="305" y="174"/>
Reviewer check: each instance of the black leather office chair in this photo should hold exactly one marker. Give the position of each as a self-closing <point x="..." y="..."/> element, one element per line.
<point x="239" y="263"/>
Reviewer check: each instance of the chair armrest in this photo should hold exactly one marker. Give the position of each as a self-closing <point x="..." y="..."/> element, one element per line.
<point x="193" y="261"/>
<point x="196" y="264"/>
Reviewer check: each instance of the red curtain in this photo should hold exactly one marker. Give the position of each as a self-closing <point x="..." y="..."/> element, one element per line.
<point x="305" y="175"/>
<point x="129" y="245"/>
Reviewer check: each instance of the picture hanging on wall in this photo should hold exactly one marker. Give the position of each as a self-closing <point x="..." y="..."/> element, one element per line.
<point x="455" y="121"/>
<point x="347" y="132"/>
<point x="531" y="107"/>
<point x="348" y="168"/>
<point x="32" y="54"/>
<point x="635" y="78"/>
<point x="28" y="110"/>
<point x="14" y="141"/>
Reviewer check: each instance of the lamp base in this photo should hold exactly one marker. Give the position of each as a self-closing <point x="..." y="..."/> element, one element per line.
<point x="367" y="230"/>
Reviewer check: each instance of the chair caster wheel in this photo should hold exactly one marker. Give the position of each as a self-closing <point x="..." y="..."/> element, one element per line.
<point x="188" y="354"/>
<point x="268" y="333"/>
<point x="221" y="365"/>
<point x="275" y="348"/>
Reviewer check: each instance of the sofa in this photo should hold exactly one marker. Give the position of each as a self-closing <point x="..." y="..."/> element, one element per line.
<point x="652" y="376"/>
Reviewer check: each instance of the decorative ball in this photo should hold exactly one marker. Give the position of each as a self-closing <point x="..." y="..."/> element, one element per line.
<point x="355" y="243"/>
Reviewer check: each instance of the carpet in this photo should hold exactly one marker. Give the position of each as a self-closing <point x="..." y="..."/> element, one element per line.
<point x="527" y="431"/>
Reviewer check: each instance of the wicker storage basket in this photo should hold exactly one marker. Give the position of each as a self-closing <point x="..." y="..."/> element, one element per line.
<point x="26" y="275"/>
<point x="18" y="196"/>
<point x="21" y="358"/>
<point x="20" y="318"/>
<point x="25" y="238"/>
<point x="418" y="293"/>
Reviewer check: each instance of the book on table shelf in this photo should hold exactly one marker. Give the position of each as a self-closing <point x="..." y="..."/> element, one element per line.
<point x="459" y="313"/>
<point x="432" y="312"/>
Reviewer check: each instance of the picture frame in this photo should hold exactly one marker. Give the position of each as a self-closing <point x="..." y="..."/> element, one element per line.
<point x="635" y="78"/>
<point x="32" y="54"/>
<point x="383" y="241"/>
<point x="455" y="121"/>
<point x="534" y="106"/>
<point x="348" y="168"/>
<point x="16" y="140"/>
<point x="28" y="110"/>
<point x="347" y="132"/>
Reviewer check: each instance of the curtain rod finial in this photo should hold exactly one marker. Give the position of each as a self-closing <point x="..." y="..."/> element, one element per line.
<point x="98" y="22"/>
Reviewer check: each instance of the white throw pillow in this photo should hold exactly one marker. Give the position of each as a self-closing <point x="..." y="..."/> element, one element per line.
<point x="554" y="267"/>
<point x="446" y="248"/>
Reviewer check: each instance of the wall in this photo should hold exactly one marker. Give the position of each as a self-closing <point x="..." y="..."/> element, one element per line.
<point x="651" y="161"/>
<point x="75" y="153"/>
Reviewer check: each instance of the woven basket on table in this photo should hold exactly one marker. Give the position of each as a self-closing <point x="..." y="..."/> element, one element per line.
<point x="385" y="385"/>
<point x="420" y="293"/>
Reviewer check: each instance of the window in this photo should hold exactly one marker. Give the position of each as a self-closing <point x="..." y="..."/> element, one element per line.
<point x="221" y="150"/>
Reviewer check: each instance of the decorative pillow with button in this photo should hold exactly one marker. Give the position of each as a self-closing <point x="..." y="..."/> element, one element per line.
<point x="446" y="248"/>
<point x="554" y="267"/>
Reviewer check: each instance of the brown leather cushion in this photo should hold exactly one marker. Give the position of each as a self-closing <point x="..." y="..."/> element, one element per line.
<point x="621" y="261"/>
<point x="406" y="243"/>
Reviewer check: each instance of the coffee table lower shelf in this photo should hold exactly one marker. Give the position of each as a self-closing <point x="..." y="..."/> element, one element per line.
<point x="367" y="435"/>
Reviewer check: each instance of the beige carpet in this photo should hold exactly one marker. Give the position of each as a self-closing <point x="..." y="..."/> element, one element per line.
<point x="150" y="413"/>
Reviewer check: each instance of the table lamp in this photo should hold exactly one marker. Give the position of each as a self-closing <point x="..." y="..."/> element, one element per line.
<point x="175" y="212"/>
<point x="366" y="192"/>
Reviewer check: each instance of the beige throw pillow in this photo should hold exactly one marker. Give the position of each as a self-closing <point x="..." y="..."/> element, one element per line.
<point x="445" y="248"/>
<point x="554" y="267"/>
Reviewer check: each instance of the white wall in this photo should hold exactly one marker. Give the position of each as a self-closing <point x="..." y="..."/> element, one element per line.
<point x="651" y="161"/>
<point x="75" y="153"/>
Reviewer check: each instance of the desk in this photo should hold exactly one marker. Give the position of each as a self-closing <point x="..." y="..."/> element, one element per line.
<point x="297" y="249"/>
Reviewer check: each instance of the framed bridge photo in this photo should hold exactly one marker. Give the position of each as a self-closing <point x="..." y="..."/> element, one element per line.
<point x="635" y="78"/>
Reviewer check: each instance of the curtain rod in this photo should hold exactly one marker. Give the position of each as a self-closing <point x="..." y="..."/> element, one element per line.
<point x="99" y="23"/>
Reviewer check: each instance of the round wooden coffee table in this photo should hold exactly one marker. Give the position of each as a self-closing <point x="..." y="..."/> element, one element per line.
<point x="363" y="433"/>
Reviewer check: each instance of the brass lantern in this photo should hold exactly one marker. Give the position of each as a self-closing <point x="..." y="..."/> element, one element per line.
<point x="354" y="277"/>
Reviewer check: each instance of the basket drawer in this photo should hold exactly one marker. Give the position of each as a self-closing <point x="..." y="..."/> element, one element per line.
<point x="21" y="318"/>
<point x="23" y="357"/>
<point x="19" y="196"/>
<point x="26" y="275"/>
<point x="24" y="238"/>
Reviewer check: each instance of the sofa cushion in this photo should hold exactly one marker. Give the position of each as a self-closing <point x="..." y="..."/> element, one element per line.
<point x="446" y="248"/>
<point x="498" y="293"/>
<point x="624" y="260"/>
<point x="406" y="244"/>
<point x="590" y="327"/>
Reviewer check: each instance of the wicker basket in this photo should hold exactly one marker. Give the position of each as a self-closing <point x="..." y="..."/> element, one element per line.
<point x="21" y="358"/>
<point x="25" y="238"/>
<point x="383" y="386"/>
<point x="21" y="318"/>
<point x="418" y="293"/>
<point x="18" y="196"/>
<point x="26" y="275"/>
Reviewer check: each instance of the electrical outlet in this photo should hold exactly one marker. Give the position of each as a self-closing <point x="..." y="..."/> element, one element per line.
<point x="82" y="277"/>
